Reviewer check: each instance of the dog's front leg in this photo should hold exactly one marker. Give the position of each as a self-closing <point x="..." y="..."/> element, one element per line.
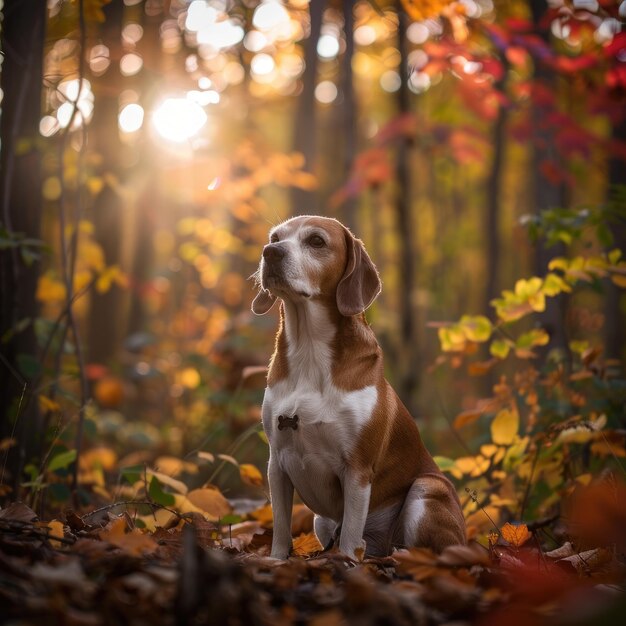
<point x="356" y="501"/>
<point x="281" y="495"/>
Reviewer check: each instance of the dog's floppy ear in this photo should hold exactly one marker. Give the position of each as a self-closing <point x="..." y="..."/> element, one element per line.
<point x="360" y="284"/>
<point x="263" y="302"/>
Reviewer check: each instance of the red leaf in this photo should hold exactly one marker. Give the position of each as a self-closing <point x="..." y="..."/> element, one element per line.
<point x="574" y="64"/>
<point x="618" y="43"/>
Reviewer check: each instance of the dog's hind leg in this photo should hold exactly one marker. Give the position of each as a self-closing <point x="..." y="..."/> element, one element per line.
<point x="325" y="529"/>
<point x="431" y="516"/>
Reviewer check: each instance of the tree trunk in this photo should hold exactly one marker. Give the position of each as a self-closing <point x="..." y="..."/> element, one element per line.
<point x="304" y="136"/>
<point x="546" y="193"/>
<point x="105" y="325"/>
<point x="349" y="111"/>
<point x="406" y="232"/>
<point x="23" y="30"/>
<point x="494" y="188"/>
<point x="615" y="310"/>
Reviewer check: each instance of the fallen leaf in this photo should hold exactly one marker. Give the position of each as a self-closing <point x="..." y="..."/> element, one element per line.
<point x="18" y="512"/>
<point x="306" y="544"/>
<point x="55" y="529"/>
<point x="464" y="556"/>
<point x="210" y="501"/>
<point x="251" y="475"/>
<point x="515" y="535"/>
<point x="133" y="542"/>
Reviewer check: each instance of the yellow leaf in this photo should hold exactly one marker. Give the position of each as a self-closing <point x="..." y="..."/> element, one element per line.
<point x="264" y="516"/>
<point x="46" y="404"/>
<point x="81" y="279"/>
<point x="51" y="188"/>
<point x="172" y="466"/>
<point x="157" y="519"/>
<point x="465" y="464"/>
<point x="515" y="535"/>
<point x="476" y="327"/>
<point x="619" y="280"/>
<point x="500" y="348"/>
<point x="101" y="457"/>
<point x="306" y="544"/>
<point x="50" y="289"/>
<point x="504" y="427"/>
<point x="189" y="377"/>
<point x="210" y="501"/>
<point x="452" y="339"/>
<point x="95" y="184"/>
<point x="250" y="475"/>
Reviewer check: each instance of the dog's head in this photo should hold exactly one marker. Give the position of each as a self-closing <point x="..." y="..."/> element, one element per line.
<point x="316" y="258"/>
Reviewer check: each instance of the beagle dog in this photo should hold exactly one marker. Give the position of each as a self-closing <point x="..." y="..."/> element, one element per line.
<point x="338" y="433"/>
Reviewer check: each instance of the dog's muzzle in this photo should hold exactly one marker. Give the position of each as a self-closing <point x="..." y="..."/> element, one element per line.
<point x="273" y="270"/>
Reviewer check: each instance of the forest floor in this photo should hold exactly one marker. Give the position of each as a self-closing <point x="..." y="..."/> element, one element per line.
<point x="99" y="568"/>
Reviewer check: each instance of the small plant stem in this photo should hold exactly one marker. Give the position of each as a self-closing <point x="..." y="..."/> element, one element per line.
<point x="529" y="483"/>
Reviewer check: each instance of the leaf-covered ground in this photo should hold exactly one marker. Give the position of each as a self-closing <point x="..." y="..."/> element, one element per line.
<point x="99" y="568"/>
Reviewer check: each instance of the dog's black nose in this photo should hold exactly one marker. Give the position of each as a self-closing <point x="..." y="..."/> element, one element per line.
<point x="273" y="252"/>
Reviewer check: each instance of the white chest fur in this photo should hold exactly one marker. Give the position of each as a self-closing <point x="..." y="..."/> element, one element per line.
<point x="314" y="454"/>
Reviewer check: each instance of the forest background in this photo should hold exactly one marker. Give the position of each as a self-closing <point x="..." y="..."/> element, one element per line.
<point x="477" y="147"/>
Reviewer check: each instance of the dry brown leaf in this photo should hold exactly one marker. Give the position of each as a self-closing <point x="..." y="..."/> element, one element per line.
<point x="560" y="553"/>
<point x="18" y="512"/>
<point x="464" y="556"/>
<point x="515" y="535"/>
<point x="589" y="561"/>
<point x="466" y="417"/>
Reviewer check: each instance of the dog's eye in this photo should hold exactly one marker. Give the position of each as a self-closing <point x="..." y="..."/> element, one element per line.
<point x="315" y="241"/>
<point x="274" y="238"/>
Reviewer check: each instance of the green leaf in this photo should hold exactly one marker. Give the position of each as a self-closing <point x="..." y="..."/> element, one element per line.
<point x="156" y="493"/>
<point x="444" y="463"/>
<point x="62" y="460"/>
<point x="231" y="519"/>
<point x="29" y="256"/>
<point x="59" y="492"/>
<point x="132" y="473"/>
<point x="28" y="365"/>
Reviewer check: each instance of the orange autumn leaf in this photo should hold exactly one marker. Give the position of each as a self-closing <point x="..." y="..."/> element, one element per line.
<point x="515" y="535"/>
<point x="134" y="542"/>
<point x="306" y="544"/>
